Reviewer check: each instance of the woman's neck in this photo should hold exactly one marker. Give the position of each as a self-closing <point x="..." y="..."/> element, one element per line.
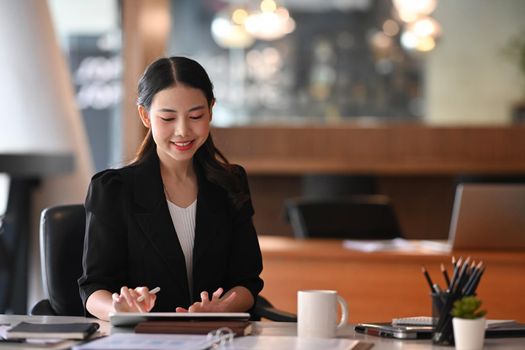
<point x="178" y="172"/>
<point x="180" y="182"/>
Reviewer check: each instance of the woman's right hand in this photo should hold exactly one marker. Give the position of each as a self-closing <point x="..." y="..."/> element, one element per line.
<point x="128" y="300"/>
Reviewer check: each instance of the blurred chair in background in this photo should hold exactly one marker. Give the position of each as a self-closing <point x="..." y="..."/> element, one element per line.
<point x="320" y="185"/>
<point x="345" y="217"/>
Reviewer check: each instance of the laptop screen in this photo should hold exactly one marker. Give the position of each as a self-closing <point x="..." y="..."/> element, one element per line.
<point x="488" y="216"/>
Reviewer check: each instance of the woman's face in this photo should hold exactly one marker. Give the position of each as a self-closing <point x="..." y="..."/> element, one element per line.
<point x="179" y="118"/>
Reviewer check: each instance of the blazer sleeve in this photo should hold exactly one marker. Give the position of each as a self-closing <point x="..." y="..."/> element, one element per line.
<point x="245" y="258"/>
<point x="105" y="255"/>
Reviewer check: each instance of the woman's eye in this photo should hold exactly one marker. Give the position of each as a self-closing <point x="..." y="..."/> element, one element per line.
<point x="196" y="117"/>
<point x="167" y="119"/>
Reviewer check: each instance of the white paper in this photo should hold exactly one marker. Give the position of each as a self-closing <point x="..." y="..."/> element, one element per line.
<point x="133" y="341"/>
<point x="397" y="244"/>
<point x="291" y="343"/>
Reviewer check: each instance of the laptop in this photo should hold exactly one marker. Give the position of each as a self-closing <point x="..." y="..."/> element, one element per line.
<point x="488" y="216"/>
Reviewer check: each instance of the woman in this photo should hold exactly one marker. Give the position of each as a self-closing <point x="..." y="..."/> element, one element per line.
<point x="179" y="217"/>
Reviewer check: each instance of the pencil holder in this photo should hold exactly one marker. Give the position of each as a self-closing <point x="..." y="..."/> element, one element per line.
<point x="442" y="320"/>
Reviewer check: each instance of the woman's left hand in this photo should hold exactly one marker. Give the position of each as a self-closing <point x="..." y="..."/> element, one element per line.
<point x="216" y="304"/>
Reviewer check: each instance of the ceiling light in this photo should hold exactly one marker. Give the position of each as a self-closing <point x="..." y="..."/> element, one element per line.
<point x="228" y="29"/>
<point x="270" y="23"/>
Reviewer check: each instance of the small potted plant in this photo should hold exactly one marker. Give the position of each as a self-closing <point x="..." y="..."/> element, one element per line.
<point x="468" y="323"/>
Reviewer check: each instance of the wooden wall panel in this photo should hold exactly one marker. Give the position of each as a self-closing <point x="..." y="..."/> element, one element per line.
<point x="414" y="164"/>
<point x="388" y="149"/>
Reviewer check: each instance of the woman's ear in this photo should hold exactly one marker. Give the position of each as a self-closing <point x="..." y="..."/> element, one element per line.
<point x="144" y="116"/>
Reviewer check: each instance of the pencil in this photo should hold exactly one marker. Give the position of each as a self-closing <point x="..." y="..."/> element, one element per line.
<point x="445" y="274"/>
<point x="460" y="280"/>
<point x="429" y="280"/>
<point x="153" y="291"/>
<point x="469" y="287"/>
<point x="457" y="265"/>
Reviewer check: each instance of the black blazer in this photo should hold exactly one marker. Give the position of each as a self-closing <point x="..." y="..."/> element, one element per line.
<point x="131" y="241"/>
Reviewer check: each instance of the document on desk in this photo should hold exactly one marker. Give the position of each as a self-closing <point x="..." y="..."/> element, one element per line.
<point x="397" y="245"/>
<point x="134" y="341"/>
<point x="264" y="342"/>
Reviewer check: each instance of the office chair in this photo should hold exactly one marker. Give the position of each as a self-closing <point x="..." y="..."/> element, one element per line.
<point x="61" y="246"/>
<point x="348" y="217"/>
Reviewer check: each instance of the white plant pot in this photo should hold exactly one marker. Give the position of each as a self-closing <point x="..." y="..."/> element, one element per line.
<point x="469" y="334"/>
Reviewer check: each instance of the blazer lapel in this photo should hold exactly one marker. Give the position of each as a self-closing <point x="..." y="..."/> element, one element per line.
<point x="152" y="214"/>
<point x="206" y="221"/>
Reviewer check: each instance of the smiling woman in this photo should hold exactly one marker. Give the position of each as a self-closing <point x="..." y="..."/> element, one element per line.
<point x="181" y="211"/>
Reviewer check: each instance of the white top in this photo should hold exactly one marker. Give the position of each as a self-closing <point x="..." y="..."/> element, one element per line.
<point x="184" y="223"/>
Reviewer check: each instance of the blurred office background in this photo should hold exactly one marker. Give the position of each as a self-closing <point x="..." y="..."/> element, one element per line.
<point x="348" y="60"/>
<point x="329" y="96"/>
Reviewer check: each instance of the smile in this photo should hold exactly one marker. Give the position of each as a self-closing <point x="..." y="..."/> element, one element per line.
<point x="183" y="146"/>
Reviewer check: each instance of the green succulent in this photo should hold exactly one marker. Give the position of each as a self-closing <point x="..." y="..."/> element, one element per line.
<point x="468" y="307"/>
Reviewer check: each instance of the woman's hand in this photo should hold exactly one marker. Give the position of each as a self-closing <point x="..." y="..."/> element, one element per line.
<point x="216" y="304"/>
<point x="133" y="300"/>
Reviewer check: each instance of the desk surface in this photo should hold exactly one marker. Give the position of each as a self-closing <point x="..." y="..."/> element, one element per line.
<point x="380" y="286"/>
<point x="277" y="328"/>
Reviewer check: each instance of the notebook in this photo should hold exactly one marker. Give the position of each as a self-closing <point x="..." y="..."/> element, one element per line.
<point x="52" y="330"/>
<point x="429" y="321"/>
<point x="488" y="216"/>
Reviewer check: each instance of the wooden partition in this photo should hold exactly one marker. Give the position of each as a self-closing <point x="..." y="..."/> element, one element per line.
<point x="382" y="149"/>
<point x="381" y="286"/>
<point x="415" y="164"/>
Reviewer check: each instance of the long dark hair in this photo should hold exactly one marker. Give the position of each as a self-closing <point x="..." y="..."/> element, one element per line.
<point x="168" y="72"/>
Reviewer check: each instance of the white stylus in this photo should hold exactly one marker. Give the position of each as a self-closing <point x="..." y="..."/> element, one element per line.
<point x="153" y="291"/>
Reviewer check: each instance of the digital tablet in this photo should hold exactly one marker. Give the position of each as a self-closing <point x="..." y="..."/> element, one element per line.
<point x="133" y="318"/>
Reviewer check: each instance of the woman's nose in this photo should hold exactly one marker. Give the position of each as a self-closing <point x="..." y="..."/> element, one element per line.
<point x="181" y="128"/>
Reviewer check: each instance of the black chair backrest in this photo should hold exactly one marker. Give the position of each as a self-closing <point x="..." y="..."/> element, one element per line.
<point x="349" y="217"/>
<point x="61" y="245"/>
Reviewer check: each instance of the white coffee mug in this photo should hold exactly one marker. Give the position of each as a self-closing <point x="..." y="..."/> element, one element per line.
<point x="317" y="313"/>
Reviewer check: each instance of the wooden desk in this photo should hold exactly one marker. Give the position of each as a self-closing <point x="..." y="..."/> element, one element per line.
<point x="268" y="328"/>
<point x="380" y="286"/>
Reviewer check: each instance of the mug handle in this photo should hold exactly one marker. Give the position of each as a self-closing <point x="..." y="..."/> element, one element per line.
<point x="344" y="311"/>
